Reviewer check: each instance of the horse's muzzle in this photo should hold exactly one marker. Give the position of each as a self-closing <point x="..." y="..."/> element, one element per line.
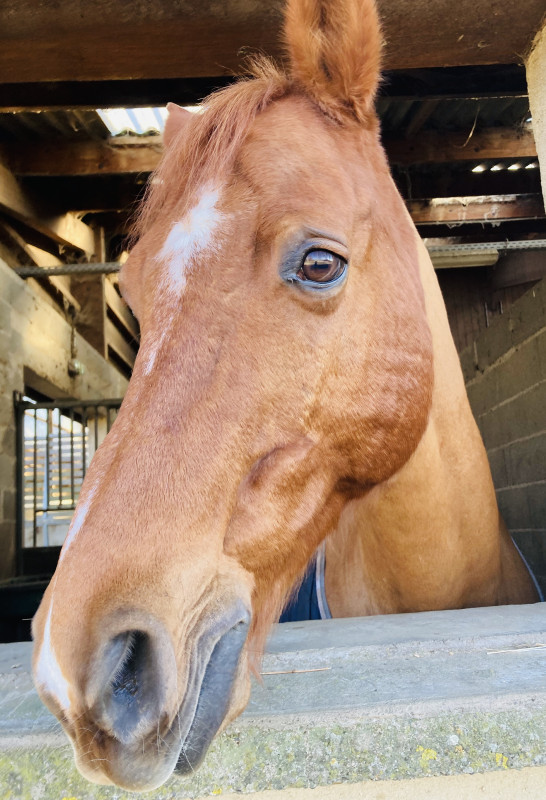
<point x="142" y="731"/>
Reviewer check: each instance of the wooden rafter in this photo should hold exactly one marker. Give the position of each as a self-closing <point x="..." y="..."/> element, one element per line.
<point x="120" y="155"/>
<point x="475" y="209"/>
<point x="438" y="147"/>
<point x="485" y="82"/>
<point x="65" y="229"/>
<point x="41" y="258"/>
<point x="113" y="39"/>
<point x="127" y="155"/>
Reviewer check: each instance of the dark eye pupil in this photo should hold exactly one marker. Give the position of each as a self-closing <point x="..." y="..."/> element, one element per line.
<point x="321" y="266"/>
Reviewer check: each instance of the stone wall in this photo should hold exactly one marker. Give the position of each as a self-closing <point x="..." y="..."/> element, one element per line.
<point x="505" y="370"/>
<point x="35" y="340"/>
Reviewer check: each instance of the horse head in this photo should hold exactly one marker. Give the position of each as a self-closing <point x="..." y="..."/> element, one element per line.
<point x="285" y="368"/>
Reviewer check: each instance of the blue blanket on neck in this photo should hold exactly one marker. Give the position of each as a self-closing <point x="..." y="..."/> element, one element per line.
<point x="309" y="601"/>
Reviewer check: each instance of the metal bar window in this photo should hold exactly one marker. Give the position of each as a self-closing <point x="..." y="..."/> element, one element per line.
<point x="56" y="440"/>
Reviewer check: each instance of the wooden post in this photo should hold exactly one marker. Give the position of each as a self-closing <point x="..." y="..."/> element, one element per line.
<point x="536" y="81"/>
<point x="89" y="290"/>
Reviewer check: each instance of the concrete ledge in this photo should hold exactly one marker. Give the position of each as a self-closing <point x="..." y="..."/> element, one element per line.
<point x="349" y="701"/>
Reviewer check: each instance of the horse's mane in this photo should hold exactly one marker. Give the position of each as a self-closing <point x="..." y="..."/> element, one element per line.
<point x="207" y="145"/>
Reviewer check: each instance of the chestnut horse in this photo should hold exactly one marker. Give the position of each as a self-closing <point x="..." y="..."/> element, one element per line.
<point x="297" y="384"/>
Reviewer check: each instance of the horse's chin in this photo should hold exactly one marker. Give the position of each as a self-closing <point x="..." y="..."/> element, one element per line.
<point x="130" y="769"/>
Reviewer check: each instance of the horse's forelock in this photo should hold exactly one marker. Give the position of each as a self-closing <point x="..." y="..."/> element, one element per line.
<point x="207" y="146"/>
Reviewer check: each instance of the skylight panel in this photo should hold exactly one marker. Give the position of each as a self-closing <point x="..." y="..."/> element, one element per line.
<point x="136" y="120"/>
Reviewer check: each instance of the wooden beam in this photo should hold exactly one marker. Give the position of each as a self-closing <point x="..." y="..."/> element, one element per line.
<point x="415" y="183"/>
<point x="438" y="147"/>
<point x="90" y="322"/>
<point x="41" y="258"/>
<point x="115" y="192"/>
<point x="66" y="229"/>
<point x="475" y="209"/>
<point x="113" y="39"/>
<point x="121" y="347"/>
<point x="456" y="83"/>
<point x="131" y="154"/>
<point x="116" y="156"/>
<point x="119" y="309"/>
<point x="98" y="193"/>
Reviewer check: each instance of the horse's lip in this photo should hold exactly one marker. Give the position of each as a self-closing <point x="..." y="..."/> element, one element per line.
<point x="219" y="674"/>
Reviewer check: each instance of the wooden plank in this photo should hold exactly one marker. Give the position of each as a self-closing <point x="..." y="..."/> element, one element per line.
<point x="90" y="322"/>
<point x="141" y="154"/>
<point x="66" y="229"/>
<point x="118" y="344"/>
<point x="113" y="39"/>
<point x="120" y="309"/>
<point x="112" y="157"/>
<point x="434" y="147"/>
<point x="439" y="211"/>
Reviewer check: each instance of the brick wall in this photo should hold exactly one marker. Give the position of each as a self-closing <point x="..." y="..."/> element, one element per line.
<point x="505" y="370"/>
<point x="35" y="337"/>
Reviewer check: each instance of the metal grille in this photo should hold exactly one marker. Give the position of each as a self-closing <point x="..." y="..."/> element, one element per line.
<point x="55" y="443"/>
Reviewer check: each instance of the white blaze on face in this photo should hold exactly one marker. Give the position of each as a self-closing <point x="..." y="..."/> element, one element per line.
<point x="188" y="238"/>
<point x="48" y="672"/>
<point x="77" y="521"/>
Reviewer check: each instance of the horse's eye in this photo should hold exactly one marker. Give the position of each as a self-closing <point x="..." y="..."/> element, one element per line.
<point x="321" y="266"/>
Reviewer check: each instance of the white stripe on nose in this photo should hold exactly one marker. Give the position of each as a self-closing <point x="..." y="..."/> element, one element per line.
<point x="48" y="672"/>
<point x="77" y="521"/>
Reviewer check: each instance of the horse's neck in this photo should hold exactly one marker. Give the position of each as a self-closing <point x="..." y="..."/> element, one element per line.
<point x="430" y="537"/>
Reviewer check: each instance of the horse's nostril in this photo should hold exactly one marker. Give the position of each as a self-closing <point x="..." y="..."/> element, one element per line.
<point x="127" y="675"/>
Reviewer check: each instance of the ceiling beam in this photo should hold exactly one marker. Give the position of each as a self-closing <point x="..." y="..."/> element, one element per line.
<point x="439" y="146"/>
<point x="131" y="154"/>
<point x="116" y="156"/>
<point x="98" y="193"/>
<point x="66" y="229"/>
<point x="416" y="182"/>
<point x="116" y="40"/>
<point x="460" y="210"/>
<point x="455" y="83"/>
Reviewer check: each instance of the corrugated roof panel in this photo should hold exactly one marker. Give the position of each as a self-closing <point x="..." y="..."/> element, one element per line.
<point x="135" y="120"/>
